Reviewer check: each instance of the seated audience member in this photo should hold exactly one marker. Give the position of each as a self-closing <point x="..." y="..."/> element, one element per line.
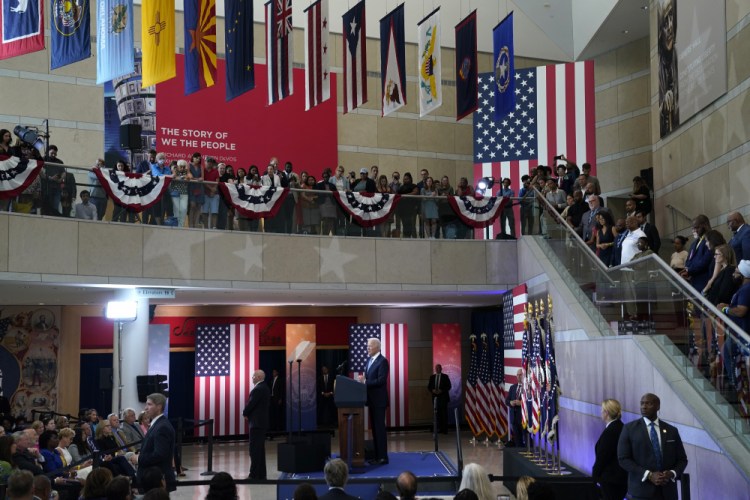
<point x="79" y="448"/>
<point x="85" y="209"/>
<point x="337" y="473"/>
<point x="48" y="442"/>
<point x="7" y="448"/>
<point x="305" y="491"/>
<point x="66" y="439"/>
<point x="157" y="494"/>
<point x="131" y="429"/>
<point x="522" y="487"/>
<point x="112" y="460"/>
<point x="476" y="479"/>
<point x="406" y="483"/>
<point x="61" y="422"/>
<point x="222" y="486"/>
<point x="43" y="488"/>
<point x="144" y="421"/>
<point x="49" y="424"/>
<point x="385" y="495"/>
<point x="119" y="489"/>
<point x="540" y="491"/>
<point x="152" y="479"/>
<point x="24" y="458"/>
<point x="96" y="484"/>
<point x="680" y="255"/>
<point x="20" y="485"/>
<point x="38" y="427"/>
<point x="118" y="433"/>
<point x="466" y="494"/>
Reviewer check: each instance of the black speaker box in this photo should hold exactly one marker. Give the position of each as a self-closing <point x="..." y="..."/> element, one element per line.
<point x="301" y="456"/>
<point x="105" y="379"/>
<point x="130" y="136"/>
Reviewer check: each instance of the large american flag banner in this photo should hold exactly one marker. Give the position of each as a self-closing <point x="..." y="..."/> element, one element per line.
<point x="317" y="69"/>
<point x="394" y="346"/>
<point x="514" y="313"/>
<point x="279" y="49"/>
<point x="554" y="114"/>
<point x="225" y="358"/>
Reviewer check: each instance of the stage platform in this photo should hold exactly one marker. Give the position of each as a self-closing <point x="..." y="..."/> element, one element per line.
<point x="436" y="475"/>
<point x="574" y="485"/>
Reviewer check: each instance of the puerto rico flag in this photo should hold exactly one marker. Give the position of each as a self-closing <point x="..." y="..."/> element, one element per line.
<point x="22" y="24"/>
<point x="317" y="68"/>
<point x="279" y="49"/>
<point x="355" y="58"/>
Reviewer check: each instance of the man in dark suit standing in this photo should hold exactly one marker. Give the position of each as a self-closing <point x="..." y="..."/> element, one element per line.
<point x="326" y="407"/>
<point x="256" y="414"/>
<point x="440" y="388"/>
<point x="157" y="449"/>
<point x="700" y="261"/>
<point x="606" y="471"/>
<point x="277" y="412"/>
<point x="376" y="379"/>
<point x="740" y="241"/>
<point x="514" y="403"/>
<point x="654" y="239"/>
<point x="651" y="451"/>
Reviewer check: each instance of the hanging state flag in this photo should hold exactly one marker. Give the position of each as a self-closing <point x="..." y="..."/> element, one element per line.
<point x="114" y="48"/>
<point x="279" y="49"/>
<point x="317" y="68"/>
<point x="429" y="72"/>
<point x="200" y="45"/>
<point x="22" y="23"/>
<point x="157" y="40"/>
<point x="240" y="65"/>
<point x="355" y="57"/>
<point x="225" y="358"/>
<point x="71" y="31"/>
<point x="505" y="69"/>
<point x="392" y="61"/>
<point x="466" y="66"/>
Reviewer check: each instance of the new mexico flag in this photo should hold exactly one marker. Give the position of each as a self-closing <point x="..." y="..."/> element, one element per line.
<point x="158" y="41"/>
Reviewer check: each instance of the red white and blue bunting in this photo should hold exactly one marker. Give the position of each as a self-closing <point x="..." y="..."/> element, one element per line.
<point x="17" y="174"/>
<point x="368" y="209"/>
<point x="134" y="191"/>
<point x="478" y="212"/>
<point x="254" y="202"/>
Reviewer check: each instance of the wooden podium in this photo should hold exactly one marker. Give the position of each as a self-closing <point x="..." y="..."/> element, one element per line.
<point x="350" y="397"/>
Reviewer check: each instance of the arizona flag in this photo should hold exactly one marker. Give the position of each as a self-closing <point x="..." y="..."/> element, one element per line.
<point x="157" y="40"/>
<point x="200" y="45"/>
<point x="392" y="55"/>
<point x="317" y="68"/>
<point x="429" y="85"/>
<point x="279" y="49"/>
<point x="71" y="32"/>
<point x="22" y="24"/>
<point x="355" y="57"/>
<point x="114" y="49"/>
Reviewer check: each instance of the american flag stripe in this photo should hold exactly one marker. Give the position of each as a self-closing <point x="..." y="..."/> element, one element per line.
<point x="317" y="81"/>
<point x="513" y="357"/>
<point x="395" y="350"/>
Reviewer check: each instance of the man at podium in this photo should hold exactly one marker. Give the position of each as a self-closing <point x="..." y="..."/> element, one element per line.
<point x="376" y="379"/>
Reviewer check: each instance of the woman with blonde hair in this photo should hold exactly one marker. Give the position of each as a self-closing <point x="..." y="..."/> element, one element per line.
<point x="522" y="487"/>
<point x="612" y="479"/>
<point x="475" y="478"/>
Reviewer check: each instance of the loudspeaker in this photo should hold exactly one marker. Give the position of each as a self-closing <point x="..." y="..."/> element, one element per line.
<point x="301" y="456"/>
<point x="130" y="136"/>
<point x="105" y="379"/>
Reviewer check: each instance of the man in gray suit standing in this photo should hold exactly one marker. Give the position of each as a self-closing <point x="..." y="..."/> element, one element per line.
<point x="651" y="451"/>
<point x="256" y="414"/>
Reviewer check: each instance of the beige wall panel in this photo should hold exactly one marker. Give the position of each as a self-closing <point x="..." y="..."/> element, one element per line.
<point x="607" y="140"/>
<point x="635" y="132"/>
<point x="435" y="136"/>
<point x="291" y="259"/>
<point x="464" y="140"/>
<point x="671" y="162"/>
<point x="608" y="174"/>
<point x="739" y="187"/>
<point x="46" y="236"/>
<point x="78" y="147"/>
<point x="738" y="64"/>
<point x="354" y="161"/>
<point x="356" y="129"/>
<point x="259" y="47"/>
<point x="173" y="253"/>
<point x="4" y="223"/>
<point x="37" y="62"/>
<point x="373" y="92"/>
<point x="402" y="164"/>
<point x="80" y="69"/>
<point x="299" y="47"/>
<point x="179" y="20"/>
<point x="101" y="245"/>
<point x="412" y="99"/>
<point x="738" y="126"/>
<point x="605" y="68"/>
<point x="347" y="260"/>
<point x="335" y="50"/>
<point x="448" y="107"/>
<point x="395" y="133"/>
<point x="373" y="55"/>
<point x="715" y="189"/>
<point x="234" y="256"/>
<point x="736" y="11"/>
<point x="691" y="198"/>
<point x="75" y="102"/>
<point x="633" y="95"/>
<point x="25" y="97"/>
<point x="606" y="104"/>
<point x="715" y="134"/>
<point x="410" y="61"/>
<point x="420" y="402"/>
<point x="420" y="358"/>
<point x="437" y="168"/>
<point x="412" y="265"/>
<point x="633" y="57"/>
<point x="485" y="62"/>
<point x="465" y="168"/>
<point x="502" y="262"/>
<point x="691" y="144"/>
<point x="445" y="255"/>
<point x="630" y="167"/>
<point x="221" y="40"/>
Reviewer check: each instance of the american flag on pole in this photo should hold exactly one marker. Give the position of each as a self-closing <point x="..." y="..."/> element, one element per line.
<point x="279" y="49"/>
<point x="536" y="368"/>
<point x="499" y="407"/>
<point x="355" y="57"/>
<point x="550" y="399"/>
<point x="317" y="69"/>
<point x="554" y="114"/>
<point x="225" y="358"/>
<point x="472" y="407"/>
<point x="394" y="346"/>
<point x="484" y="382"/>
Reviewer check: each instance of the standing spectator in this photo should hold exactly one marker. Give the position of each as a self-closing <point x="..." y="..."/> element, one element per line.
<point x="737" y="310"/>
<point x="161" y="169"/>
<point x="178" y="189"/>
<point x="654" y="240"/>
<point x="641" y="195"/>
<point x="587" y="227"/>
<point x="326" y="408"/>
<point x="68" y="193"/>
<point x="507" y="216"/>
<point x="277" y="407"/>
<point x="464" y="189"/>
<point x="374" y="173"/>
<point x="605" y="237"/>
<point x="448" y="217"/>
<point x="384" y="188"/>
<point x="406" y="210"/>
<point x="158" y="447"/>
<point x="439" y="386"/>
<point x="98" y="195"/>
<point x="621" y="232"/>
<point x="424" y="173"/>
<point x="53" y="176"/>
<point x="309" y="206"/>
<point x="680" y="255"/>
<point x="586" y="168"/>
<point x="515" y="403"/>
<point x="740" y="241"/>
<point x="569" y="178"/>
<point x="226" y="215"/>
<point x="144" y="168"/>
<point x="327" y="204"/>
<point x="211" y="193"/>
<point x="699" y="264"/>
<point x="85" y="210"/>
<point x="256" y="414"/>
<point x="429" y="208"/>
<point x="196" y="195"/>
<point x="120" y="213"/>
<point x="527" y="206"/>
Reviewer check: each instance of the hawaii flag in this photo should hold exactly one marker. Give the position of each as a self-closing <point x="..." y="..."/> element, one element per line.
<point x="317" y="69"/>
<point x="279" y="49"/>
<point x="22" y="24"/>
<point x="392" y="56"/>
<point x="157" y="40"/>
<point x="429" y="71"/>
<point x="355" y="58"/>
<point x="70" y="35"/>
<point x="200" y="45"/>
<point x="114" y="48"/>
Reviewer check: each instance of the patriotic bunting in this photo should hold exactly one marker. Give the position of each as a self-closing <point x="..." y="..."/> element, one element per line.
<point x="22" y="26"/>
<point x="355" y="57"/>
<point x="134" y="191"/>
<point x="254" y="202"/>
<point x="478" y="212"/>
<point x="16" y="175"/>
<point x="279" y="49"/>
<point x="429" y="72"/>
<point x="70" y="34"/>
<point x="317" y="69"/>
<point x="368" y="209"/>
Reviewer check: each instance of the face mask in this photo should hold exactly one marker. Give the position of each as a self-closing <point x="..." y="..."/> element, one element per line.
<point x="695" y="235"/>
<point x="161" y="162"/>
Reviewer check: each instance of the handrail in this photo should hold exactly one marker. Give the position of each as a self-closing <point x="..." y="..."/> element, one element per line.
<point x="674" y="211"/>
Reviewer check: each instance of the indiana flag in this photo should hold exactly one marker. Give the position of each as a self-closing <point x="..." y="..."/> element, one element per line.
<point x="392" y="61"/>
<point x="114" y="49"/>
<point x="317" y="69"/>
<point x="225" y="358"/>
<point x="429" y="86"/>
<point x="200" y="44"/>
<point x="157" y="39"/>
<point x="71" y="32"/>
<point x="240" y="65"/>
<point x="466" y="66"/>
<point x="505" y="69"/>
<point x="355" y="57"/>
<point x="279" y="49"/>
<point x="22" y="25"/>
